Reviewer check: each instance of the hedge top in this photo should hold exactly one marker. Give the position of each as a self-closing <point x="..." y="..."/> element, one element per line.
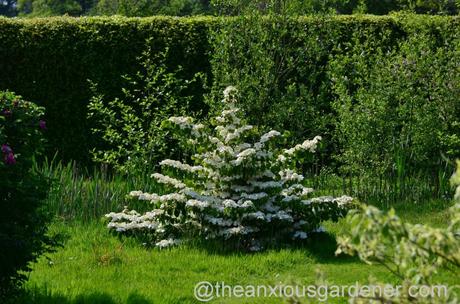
<point x="104" y="20"/>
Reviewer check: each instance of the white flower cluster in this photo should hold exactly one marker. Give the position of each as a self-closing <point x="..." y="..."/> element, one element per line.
<point x="267" y="136"/>
<point x="143" y="196"/>
<point x="237" y="190"/>
<point x="229" y="92"/>
<point x="182" y="121"/>
<point x="167" y="243"/>
<point x="296" y="190"/>
<point x="131" y="220"/>
<point x="281" y="215"/>
<point x="266" y="185"/>
<point x="186" y="123"/>
<point x="163" y="179"/>
<point x="197" y="204"/>
<point x="236" y="133"/>
<point x="289" y="175"/>
<point x="244" y="155"/>
<point x="178" y="165"/>
<point x="308" y="145"/>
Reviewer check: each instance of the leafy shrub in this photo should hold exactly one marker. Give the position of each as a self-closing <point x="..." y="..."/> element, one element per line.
<point x="131" y="126"/>
<point x="414" y="253"/>
<point x="388" y="94"/>
<point x="223" y="7"/>
<point x="240" y="189"/>
<point x="22" y="220"/>
<point x="443" y="7"/>
<point x="44" y="8"/>
<point x="397" y="105"/>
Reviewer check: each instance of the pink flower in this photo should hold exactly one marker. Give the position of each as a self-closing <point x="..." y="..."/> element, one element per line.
<point x="9" y="156"/>
<point x="9" y="159"/>
<point x="6" y="149"/>
<point x="42" y="124"/>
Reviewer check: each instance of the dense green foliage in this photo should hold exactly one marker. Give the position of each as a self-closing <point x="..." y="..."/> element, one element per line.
<point x="22" y="191"/>
<point x="397" y="105"/>
<point x="294" y="72"/>
<point x="44" y="8"/>
<point x="384" y="94"/>
<point x="304" y="7"/>
<point x="150" y="8"/>
<point x="279" y="66"/>
<point x="50" y="61"/>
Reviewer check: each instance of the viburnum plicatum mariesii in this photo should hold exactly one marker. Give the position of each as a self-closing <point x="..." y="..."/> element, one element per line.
<point x="241" y="188"/>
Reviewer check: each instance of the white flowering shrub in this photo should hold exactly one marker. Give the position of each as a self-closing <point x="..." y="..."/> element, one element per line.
<point x="241" y="188"/>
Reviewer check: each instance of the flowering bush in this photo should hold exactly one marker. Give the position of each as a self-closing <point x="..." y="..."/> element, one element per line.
<point x="414" y="253"/>
<point x="21" y="129"/>
<point x="22" y="221"/>
<point x="242" y="188"/>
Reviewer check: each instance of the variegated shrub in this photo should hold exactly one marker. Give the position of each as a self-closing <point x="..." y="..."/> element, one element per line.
<point x="414" y="253"/>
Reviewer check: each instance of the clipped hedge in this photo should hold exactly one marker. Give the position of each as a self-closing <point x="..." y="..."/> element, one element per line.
<point x="50" y="60"/>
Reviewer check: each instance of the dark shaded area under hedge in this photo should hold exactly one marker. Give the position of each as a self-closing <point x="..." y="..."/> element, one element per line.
<point x="49" y="61"/>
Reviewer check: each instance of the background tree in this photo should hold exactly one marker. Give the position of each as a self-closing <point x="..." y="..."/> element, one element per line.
<point x="50" y="7"/>
<point x="8" y="8"/>
<point x="151" y="7"/>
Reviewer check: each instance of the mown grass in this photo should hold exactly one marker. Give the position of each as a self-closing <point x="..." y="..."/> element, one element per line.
<point x="95" y="266"/>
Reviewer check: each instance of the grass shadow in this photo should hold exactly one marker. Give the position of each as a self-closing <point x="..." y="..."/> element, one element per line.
<point x="320" y="246"/>
<point x="43" y="296"/>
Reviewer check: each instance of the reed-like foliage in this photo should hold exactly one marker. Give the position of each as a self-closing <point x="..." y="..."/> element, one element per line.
<point x="389" y="190"/>
<point x="87" y="194"/>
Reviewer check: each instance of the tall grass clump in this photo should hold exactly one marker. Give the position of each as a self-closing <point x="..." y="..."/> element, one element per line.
<point x="386" y="190"/>
<point x="84" y="194"/>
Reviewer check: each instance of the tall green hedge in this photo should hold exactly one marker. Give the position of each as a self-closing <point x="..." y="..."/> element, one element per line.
<point x="50" y="60"/>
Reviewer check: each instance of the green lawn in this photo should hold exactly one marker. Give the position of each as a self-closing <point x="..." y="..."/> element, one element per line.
<point x="97" y="267"/>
